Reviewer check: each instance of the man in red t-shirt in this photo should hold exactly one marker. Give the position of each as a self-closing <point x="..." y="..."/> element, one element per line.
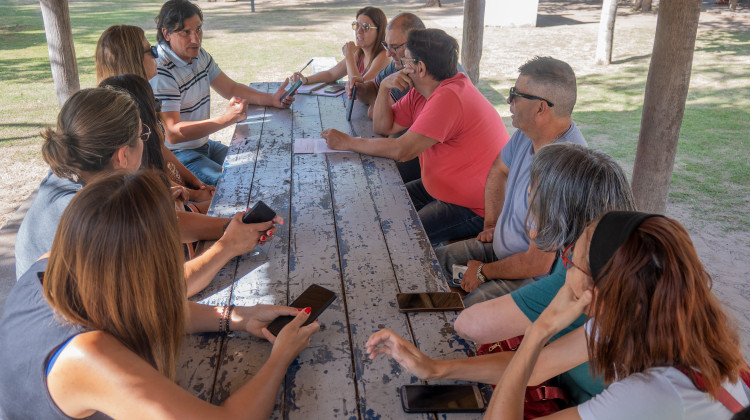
<point x="454" y="130"/>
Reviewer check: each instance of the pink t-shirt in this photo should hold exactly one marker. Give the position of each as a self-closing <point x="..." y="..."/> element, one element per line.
<point x="470" y="135"/>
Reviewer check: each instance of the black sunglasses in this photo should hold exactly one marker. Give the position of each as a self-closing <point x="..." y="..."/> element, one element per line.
<point x="513" y="93"/>
<point x="153" y="51"/>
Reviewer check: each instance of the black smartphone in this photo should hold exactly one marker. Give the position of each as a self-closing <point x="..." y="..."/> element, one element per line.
<point x="350" y="106"/>
<point x="316" y="297"/>
<point x="442" y="398"/>
<point x="259" y="213"/>
<point x="292" y="89"/>
<point x="334" y="89"/>
<point x="433" y="301"/>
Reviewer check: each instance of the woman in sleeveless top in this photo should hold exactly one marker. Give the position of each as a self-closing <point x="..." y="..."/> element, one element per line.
<point x="364" y="58"/>
<point x="95" y="330"/>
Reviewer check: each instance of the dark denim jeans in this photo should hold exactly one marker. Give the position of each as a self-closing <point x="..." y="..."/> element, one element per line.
<point x="443" y="221"/>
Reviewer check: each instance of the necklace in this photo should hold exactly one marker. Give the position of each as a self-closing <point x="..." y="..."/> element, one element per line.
<point x="563" y="132"/>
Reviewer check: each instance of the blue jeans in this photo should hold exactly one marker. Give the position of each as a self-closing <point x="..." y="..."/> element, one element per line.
<point x="205" y="162"/>
<point x="443" y="221"/>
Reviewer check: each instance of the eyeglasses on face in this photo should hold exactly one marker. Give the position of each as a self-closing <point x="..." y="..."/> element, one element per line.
<point x="152" y="50"/>
<point x="392" y="48"/>
<point x="567" y="256"/>
<point x="365" y="26"/>
<point x="145" y="133"/>
<point x="405" y="60"/>
<point x="513" y="93"/>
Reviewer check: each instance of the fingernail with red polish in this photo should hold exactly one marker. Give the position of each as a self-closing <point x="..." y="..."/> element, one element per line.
<point x="269" y="233"/>
<point x="262" y="238"/>
<point x="299" y="310"/>
<point x="308" y="310"/>
<point x="261" y="243"/>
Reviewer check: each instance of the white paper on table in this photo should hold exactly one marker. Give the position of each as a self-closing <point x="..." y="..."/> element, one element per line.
<point x="314" y="145"/>
<point x="309" y="88"/>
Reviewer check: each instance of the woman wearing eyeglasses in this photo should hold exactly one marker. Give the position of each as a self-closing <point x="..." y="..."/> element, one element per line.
<point x="123" y="49"/>
<point x="364" y="58"/>
<point x="94" y="330"/>
<point x="655" y="330"/>
<point x="99" y="131"/>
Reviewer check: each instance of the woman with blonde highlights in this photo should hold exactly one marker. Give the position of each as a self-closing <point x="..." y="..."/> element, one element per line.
<point x="123" y="49"/>
<point x="655" y="330"/>
<point x="95" y="329"/>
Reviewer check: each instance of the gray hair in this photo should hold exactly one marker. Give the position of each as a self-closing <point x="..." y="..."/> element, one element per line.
<point x="405" y="22"/>
<point x="571" y="186"/>
<point x="553" y="80"/>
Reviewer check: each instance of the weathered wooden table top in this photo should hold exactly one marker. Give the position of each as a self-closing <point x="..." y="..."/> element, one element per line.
<point x="350" y="227"/>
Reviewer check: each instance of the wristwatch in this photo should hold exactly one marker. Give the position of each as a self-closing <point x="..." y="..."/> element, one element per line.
<point x="481" y="276"/>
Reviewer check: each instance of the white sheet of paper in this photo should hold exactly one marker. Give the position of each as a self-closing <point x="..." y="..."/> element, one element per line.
<point x="314" y="145"/>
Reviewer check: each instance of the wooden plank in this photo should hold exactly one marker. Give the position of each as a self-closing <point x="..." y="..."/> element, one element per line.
<point x="198" y="360"/>
<point x="327" y="364"/>
<point x="261" y="277"/>
<point x="368" y="276"/>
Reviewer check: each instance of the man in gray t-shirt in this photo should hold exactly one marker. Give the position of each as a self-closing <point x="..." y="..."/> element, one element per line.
<point x="502" y="258"/>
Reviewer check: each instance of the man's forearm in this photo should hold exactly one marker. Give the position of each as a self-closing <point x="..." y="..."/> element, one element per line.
<point x="383" y="147"/>
<point x="252" y="96"/>
<point x="382" y="116"/>
<point x="521" y="265"/>
<point x="192" y="130"/>
<point x="494" y="193"/>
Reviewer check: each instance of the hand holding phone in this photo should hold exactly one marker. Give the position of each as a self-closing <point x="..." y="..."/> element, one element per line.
<point x="292" y="89"/>
<point x="315" y="297"/>
<point x="259" y="213"/>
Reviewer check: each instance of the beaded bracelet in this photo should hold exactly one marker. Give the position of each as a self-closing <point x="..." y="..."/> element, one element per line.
<point x="227" y="318"/>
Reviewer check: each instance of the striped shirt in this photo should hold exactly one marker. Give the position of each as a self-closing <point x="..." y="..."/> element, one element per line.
<point x="185" y="87"/>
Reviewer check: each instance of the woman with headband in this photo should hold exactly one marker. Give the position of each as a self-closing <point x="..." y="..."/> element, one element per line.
<point x="655" y="331"/>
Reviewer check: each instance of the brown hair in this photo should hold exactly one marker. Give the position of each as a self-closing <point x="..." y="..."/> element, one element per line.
<point x="116" y="265"/>
<point x="141" y="92"/>
<point x="378" y="19"/>
<point x="653" y="307"/>
<point x="92" y="125"/>
<point x="119" y="51"/>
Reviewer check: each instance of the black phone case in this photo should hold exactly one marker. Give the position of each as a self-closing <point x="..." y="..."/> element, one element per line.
<point x="458" y="307"/>
<point x="259" y="213"/>
<point x="293" y="89"/>
<point x="300" y="303"/>
<point x="350" y="106"/>
<point x="407" y="409"/>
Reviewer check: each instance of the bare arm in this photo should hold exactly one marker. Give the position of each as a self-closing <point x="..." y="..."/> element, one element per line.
<point x="95" y="372"/>
<point x="190" y="179"/>
<point x="177" y="131"/>
<point x="378" y="63"/>
<point x="200" y="227"/>
<point x="228" y="88"/>
<point x="559" y="357"/>
<point x="383" y="121"/>
<point x="238" y="239"/>
<point x="331" y="75"/>
<point x="403" y="148"/>
<point x="494" y="197"/>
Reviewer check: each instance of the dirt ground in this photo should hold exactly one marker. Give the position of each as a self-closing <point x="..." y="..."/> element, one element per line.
<point x="726" y="255"/>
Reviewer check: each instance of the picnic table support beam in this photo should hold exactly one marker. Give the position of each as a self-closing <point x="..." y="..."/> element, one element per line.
<point x="62" y="54"/>
<point x="471" y="50"/>
<point x="664" y="103"/>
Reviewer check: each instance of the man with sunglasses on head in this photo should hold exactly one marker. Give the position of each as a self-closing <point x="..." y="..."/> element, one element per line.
<point x="185" y="75"/>
<point x="452" y="127"/>
<point x="541" y="104"/>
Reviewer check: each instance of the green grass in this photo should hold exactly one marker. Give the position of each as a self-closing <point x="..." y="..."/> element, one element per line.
<point x="712" y="169"/>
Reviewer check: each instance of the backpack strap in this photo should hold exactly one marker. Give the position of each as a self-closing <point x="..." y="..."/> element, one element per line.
<point x="723" y="396"/>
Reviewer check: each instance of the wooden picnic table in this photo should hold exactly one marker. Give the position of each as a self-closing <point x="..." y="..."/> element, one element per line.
<point x="350" y="227"/>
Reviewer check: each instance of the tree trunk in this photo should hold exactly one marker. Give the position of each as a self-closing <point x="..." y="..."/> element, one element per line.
<point x="664" y="102"/>
<point x="646" y="6"/>
<point x="471" y="50"/>
<point x="62" y="54"/>
<point x="733" y="4"/>
<point x="432" y="3"/>
<point x="606" y="32"/>
<point x="637" y="4"/>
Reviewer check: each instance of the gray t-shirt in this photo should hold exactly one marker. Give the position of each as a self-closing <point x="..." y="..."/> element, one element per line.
<point x="658" y="393"/>
<point x="510" y="236"/>
<point x="39" y="225"/>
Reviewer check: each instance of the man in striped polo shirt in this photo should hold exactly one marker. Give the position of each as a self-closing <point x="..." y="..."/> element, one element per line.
<point x="185" y="74"/>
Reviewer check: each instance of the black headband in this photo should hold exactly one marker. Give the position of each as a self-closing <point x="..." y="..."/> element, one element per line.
<point x="613" y="230"/>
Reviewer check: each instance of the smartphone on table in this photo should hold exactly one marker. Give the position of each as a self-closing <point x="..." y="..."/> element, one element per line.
<point x="334" y="89"/>
<point x="315" y="297"/>
<point x="259" y="213"/>
<point x="430" y="301"/>
<point x="442" y="398"/>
